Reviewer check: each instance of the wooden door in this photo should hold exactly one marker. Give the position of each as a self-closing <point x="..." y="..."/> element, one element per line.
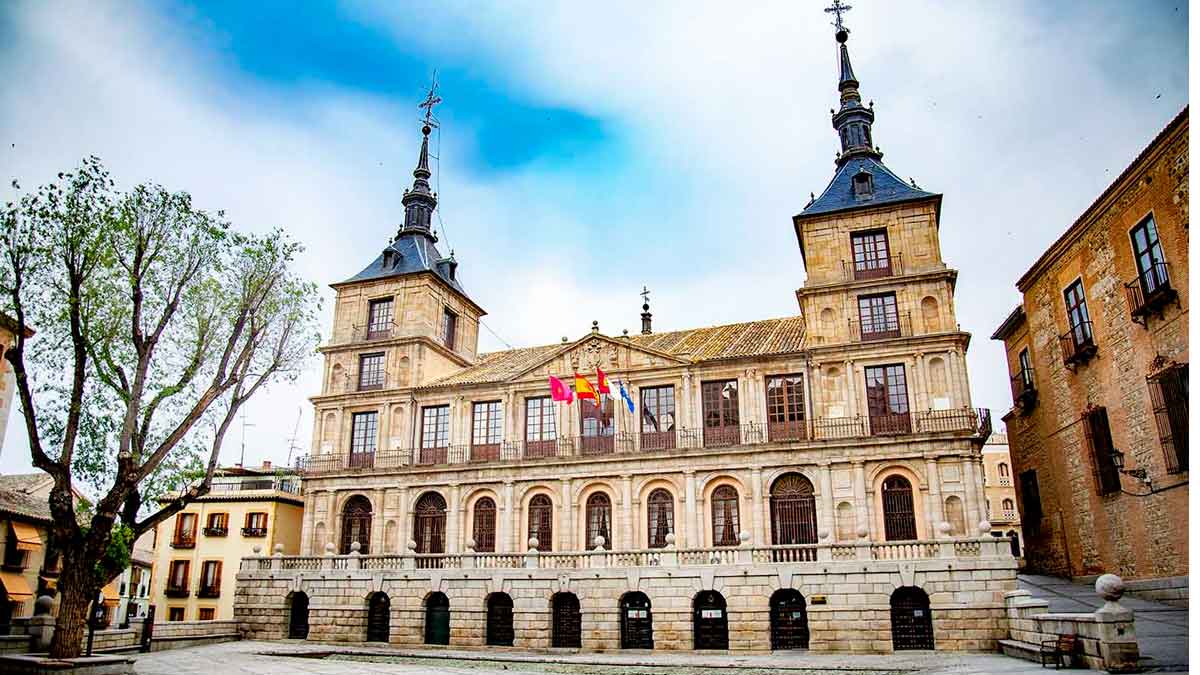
<point x="637" y="623"/>
<point x="437" y="620"/>
<point x="379" y="618"/>
<point x="912" y="622"/>
<point x="789" y="620"/>
<point x="710" y="622"/>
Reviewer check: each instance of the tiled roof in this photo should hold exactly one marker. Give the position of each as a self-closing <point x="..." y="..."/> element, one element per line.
<point x="839" y="195"/>
<point x="22" y="482"/>
<point x="19" y="503"/>
<point x="739" y="340"/>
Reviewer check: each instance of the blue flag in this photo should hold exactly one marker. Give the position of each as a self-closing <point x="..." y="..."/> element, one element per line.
<point x="626" y="397"/>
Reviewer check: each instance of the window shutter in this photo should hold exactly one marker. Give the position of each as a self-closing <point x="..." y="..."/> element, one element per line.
<point x="1099" y="440"/>
<point x="1169" y="402"/>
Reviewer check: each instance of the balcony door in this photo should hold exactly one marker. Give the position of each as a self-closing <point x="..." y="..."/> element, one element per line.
<point x="720" y="402"/>
<point x="1148" y="256"/>
<point x="887" y="399"/>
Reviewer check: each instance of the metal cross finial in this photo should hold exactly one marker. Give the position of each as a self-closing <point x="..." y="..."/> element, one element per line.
<point x="431" y="99"/>
<point x="837" y="9"/>
<point x="645" y="294"/>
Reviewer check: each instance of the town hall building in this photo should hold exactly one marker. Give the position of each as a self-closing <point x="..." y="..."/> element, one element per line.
<point x="811" y="481"/>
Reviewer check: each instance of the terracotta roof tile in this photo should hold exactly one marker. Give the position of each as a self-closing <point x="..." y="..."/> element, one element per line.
<point x="738" y="340"/>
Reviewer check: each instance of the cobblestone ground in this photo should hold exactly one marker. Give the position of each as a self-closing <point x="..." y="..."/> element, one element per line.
<point x="236" y="658"/>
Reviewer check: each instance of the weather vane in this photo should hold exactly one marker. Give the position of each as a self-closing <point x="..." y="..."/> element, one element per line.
<point x="431" y="99"/>
<point x="645" y="294"/>
<point x="837" y="9"/>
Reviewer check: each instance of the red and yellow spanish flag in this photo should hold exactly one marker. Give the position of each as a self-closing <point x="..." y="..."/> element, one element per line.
<point x="583" y="389"/>
<point x="602" y="382"/>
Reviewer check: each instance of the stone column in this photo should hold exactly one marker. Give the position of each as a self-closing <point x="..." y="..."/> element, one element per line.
<point x="404" y="530"/>
<point x="629" y="538"/>
<point x="377" y="522"/>
<point x="825" y="476"/>
<point x="851" y="390"/>
<point x="453" y="522"/>
<point x="566" y="528"/>
<point x="861" y="507"/>
<point x="332" y="522"/>
<point x="933" y="500"/>
<point x="970" y="497"/>
<point x="692" y="537"/>
<point x="306" y="530"/>
<point x="505" y="542"/>
<point x="758" y="536"/>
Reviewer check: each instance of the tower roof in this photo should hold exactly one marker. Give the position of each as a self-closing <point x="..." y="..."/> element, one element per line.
<point x="888" y="188"/>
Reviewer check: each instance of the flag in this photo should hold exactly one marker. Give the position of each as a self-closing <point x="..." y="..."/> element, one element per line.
<point x="584" y="389"/>
<point x="560" y="391"/>
<point x="625" y="396"/>
<point x="602" y="382"/>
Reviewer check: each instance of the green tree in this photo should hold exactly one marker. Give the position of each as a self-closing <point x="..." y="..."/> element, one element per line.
<point x="156" y="322"/>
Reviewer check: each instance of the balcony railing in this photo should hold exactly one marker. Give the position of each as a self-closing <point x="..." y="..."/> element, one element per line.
<point x="208" y="592"/>
<point x="374" y="332"/>
<point x="864" y="551"/>
<point x="216" y="531"/>
<point x="1024" y="393"/>
<point x="975" y="422"/>
<point x="284" y="484"/>
<point x="1078" y="344"/>
<point x="254" y="531"/>
<point x="881" y="328"/>
<point x="875" y="268"/>
<point x="177" y="591"/>
<point x="184" y="541"/>
<point x="1149" y="292"/>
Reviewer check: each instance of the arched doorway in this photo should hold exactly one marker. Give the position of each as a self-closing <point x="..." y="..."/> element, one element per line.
<point x="298" y="616"/>
<point x="710" y="625"/>
<point x="567" y="627"/>
<point x="379" y="618"/>
<point x="637" y="624"/>
<point x="499" y="620"/>
<point x="725" y="522"/>
<point x="789" y="620"/>
<point x="429" y="523"/>
<point x="541" y="522"/>
<point x="437" y="619"/>
<point x="793" y="510"/>
<point x="356" y="525"/>
<point x="660" y="518"/>
<point x="912" y="622"/>
<point x="1014" y="540"/>
<point x="899" y="517"/>
<point x="599" y="520"/>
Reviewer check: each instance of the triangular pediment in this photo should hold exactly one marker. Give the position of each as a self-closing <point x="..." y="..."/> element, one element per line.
<point x="596" y="350"/>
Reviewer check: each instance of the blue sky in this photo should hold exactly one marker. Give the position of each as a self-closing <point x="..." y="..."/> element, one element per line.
<point x="586" y="151"/>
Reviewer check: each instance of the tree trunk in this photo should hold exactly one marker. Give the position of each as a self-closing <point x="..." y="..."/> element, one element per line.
<point x="76" y="591"/>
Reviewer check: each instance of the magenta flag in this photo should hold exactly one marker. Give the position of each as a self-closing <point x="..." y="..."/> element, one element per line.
<point x="560" y="391"/>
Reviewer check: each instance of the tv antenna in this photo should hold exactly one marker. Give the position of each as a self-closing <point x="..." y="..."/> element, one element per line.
<point x="242" y="461"/>
<point x="292" y="441"/>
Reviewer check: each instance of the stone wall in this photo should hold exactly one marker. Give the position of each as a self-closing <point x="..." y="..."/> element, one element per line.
<point x="966" y="601"/>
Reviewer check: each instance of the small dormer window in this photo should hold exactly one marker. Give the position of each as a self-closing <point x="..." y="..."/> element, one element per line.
<point x="863" y="185"/>
<point x="389" y="258"/>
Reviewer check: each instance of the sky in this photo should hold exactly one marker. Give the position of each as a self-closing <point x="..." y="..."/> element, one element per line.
<point x="589" y="149"/>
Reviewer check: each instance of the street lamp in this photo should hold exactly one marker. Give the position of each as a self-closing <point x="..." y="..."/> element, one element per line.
<point x="1118" y="460"/>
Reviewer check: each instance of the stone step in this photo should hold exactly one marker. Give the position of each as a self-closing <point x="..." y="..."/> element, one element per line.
<point x="1021" y="650"/>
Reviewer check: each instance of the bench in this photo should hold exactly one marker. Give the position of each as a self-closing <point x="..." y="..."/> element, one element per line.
<point x="1063" y="645"/>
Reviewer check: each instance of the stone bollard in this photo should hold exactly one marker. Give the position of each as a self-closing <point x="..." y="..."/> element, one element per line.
<point x="468" y="558"/>
<point x="327" y="563"/>
<point x="1118" y="641"/>
<point x="355" y="561"/>
<point x="862" y="547"/>
<point x="531" y="556"/>
<point x="598" y="553"/>
<point x="41" y="624"/>
<point x="670" y="555"/>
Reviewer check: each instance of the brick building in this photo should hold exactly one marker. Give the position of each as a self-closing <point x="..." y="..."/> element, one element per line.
<point x="812" y="481"/>
<point x="1098" y="355"/>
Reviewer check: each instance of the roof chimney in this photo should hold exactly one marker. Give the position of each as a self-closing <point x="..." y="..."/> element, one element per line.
<point x="266" y="464"/>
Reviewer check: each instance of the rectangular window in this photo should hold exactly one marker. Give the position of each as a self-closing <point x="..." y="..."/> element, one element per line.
<point x="487" y="428"/>
<point x="871" y="257"/>
<point x="256" y="525"/>
<point x="1026" y="368"/>
<point x="1031" y="499"/>
<point x="785" y="408"/>
<point x="596" y="425"/>
<point x="210" y="579"/>
<point x="1169" y="401"/>
<point x="185" y="530"/>
<point x="540" y="429"/>
<point x="379" y="318"/>
<point x="887" y="399"/>
<point x="1077" y="314"/>
<point x="1099" y="440"/>
<point x="658" y="417"/>
<point x="207" y="613"/>
<point x="370" y="371"/>
<point x="435" y="434"/>
<point x="449" y="328"/>
<point x="174" y="614"/>
<point x="364" y="433"/>
<point x="719" y="402"/>
<point x="218" y="520"/>
<point x="878" y="317"/>
<point x="1148" y="256"/>
<point x="177" y="578"/>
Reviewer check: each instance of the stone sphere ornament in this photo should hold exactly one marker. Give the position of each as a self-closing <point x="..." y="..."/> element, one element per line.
<point x="862" y="532"/>
<point x="743" y="536"/>
<point x="470" y="544"/>
<point x="670" y="539"/>
<point x="355" y="547"/>
<point x="1110" y="587"/>
<point x="43" y="605"/>
<point x="598" y="541"/>
<point x="985" y="527"/>
<point x="329" y="548"/>
<point x="943" y="528"/>
<point x="533" y="543"/>
<point x="257" y="549"/>
<point x="823" y="533"/>
<point x="278" y="549"/>
<point x="412" y="544"/>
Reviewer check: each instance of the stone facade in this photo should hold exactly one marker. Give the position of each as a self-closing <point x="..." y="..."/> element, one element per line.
<point x="1087" y="517"/>
<point x="998" y="487"/>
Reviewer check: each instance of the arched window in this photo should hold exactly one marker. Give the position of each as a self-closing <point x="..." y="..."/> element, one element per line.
<point x="541" y="522"/>
<point x="1003" y="469"/>
<point x="793" y="510"/>
<point x="954" y="516"/>
<point x="660" y="517"/>
<point x="483" y="525"/>
<point x="899" y="517"/>
<point x="1008" y="506"/>
<point x="356" y="524"/>
<point x="725" y="523"/>
<point x="599" y="520"/>
<point x="429" y="523"/>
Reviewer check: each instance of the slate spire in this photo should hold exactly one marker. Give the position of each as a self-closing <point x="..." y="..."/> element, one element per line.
<point x="419" y="202"/>
<point x="852" y="120"/>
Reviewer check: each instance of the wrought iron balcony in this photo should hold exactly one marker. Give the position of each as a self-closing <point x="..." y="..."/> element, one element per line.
<point x="254" y="531"/>
<point x="177" y="591"/>
<point x="1078" y="344"/>
<point x="880" y="328"/>
<point x="1024" y="393"/>
<point x="216" y="531"/>
<point x="184" y="541"/>
<point x="874" y="268"/>
<point x="1150" y="292"/>
<point x="208" y="592"/>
